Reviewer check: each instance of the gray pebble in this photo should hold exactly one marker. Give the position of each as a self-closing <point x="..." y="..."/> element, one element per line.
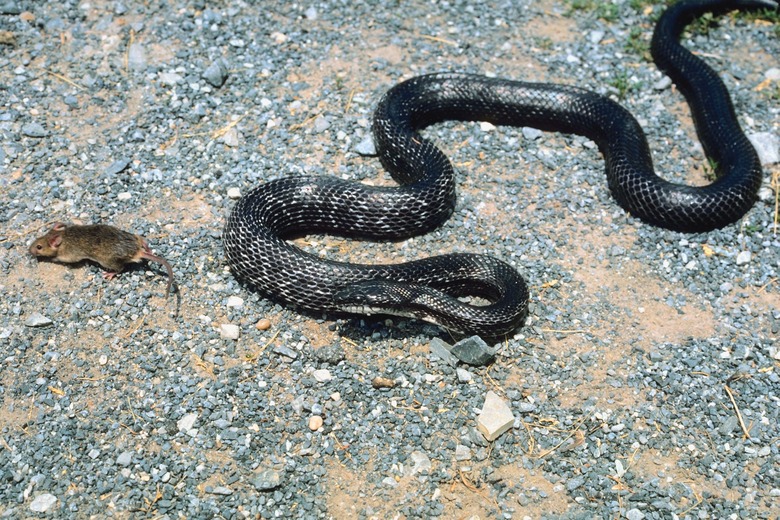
<point x="216" y="73"/>
<point x="136" y="56"/>
<point x="267" y="480"/>
<point x="332" y="354"/>
<point x="10" y="8"/>
<point x="34" y="130"/>
<point x="366" y="147"/>
<point x="117" y="166"/>
<point x="442" y="350"/>
<point x="464" y="376"/>
<point x="531" y="133"/>
<point x="36" y="319"/>
<point x="473" y="351"/>
<point x="574" y="483"/>
<point x="663" y="83"/>
<point x="321" y="124"/>
<point x="125" y="458"/>
<point x="285" y="351"/>
<point x="169" y="79"/>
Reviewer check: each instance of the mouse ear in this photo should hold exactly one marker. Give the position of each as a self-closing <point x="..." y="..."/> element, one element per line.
<point x="58" y="226"/>
<point x="55" y="240"/>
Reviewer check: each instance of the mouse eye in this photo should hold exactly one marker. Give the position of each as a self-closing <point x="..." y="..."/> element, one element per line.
<point x="39" y="247"/>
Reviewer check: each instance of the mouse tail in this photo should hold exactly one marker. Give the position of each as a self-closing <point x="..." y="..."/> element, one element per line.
<point x="148" y="255"/>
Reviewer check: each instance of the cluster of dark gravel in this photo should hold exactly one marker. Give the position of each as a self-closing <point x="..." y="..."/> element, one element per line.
<point x="151" y="115"/>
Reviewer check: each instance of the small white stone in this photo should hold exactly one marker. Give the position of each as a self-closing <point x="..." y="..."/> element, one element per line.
<point x="103" y="359"/>
<point x="421" y="462"/>
<point x="322" y="375"/>
<point x="464" y="376"/>
<point x="496" y="417"/>
<point x="234" y="193"/>
<point x="125" y="195"/>
<point x="743" y="257"/>
<point x="278" y="38"/>
<point x="231" y="137"/>
<point x="187" y="421"/>
<point x="767" y="146"/>
<point x="486" y="127"/>
<point x="596" y="36"/>
<point x="462" y="452"/>
<point x="43" y="503"/>
<point x="169" y="79"/>
<point x="229" y="331"/>
<point x="235" y="301"/>
<point x="773" y="74"/>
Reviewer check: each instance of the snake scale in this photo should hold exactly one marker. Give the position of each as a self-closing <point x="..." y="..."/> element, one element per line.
<point x="256" y="233"/>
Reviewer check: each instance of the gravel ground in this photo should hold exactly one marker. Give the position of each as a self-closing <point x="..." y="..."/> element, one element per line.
<point x="644" y="384"/>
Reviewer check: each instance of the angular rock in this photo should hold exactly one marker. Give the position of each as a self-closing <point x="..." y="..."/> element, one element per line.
<point x="43" y="503"/>
<point x="474" y="351"/>
<point x="216" y="73"/>
<point x="495" y="418"/>
<point x="36" y="319"/>
<point x="267" y="480"/>
<point x="186" y="422"/>
<point x="441" y="349"/>
<point x="136" y="56"/>
<point x="229" y="331"/>
<point x="421" y="462"/>
<point x="767" y="146"/>
<point x="366" y="147"/>
<point x="462" y="452"/>
<point x="34" y="130"/>
<point x="322" y="375"/>
<point x="117" y="166"/>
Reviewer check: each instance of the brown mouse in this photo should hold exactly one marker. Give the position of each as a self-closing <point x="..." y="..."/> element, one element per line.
<point x="108" y="246"/>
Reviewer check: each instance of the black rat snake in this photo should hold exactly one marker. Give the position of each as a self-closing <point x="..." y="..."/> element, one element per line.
<point x="257" y="229"/>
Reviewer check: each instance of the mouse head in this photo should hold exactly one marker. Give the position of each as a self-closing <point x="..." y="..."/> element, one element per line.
<point x="47" y="245"/>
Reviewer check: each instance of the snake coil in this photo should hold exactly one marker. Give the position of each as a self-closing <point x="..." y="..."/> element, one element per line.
<point x="429" y="289"/>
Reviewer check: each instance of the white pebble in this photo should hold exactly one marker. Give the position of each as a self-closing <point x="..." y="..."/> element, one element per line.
<point x="187" y="421"/>
<point x="43" y="503"/>
<point x="231" y="137"/>
<point x="743" y="257"/>
<point x="235" y="301"/>
<point x="772" y="74"/>
<point x="169" y="79"/>
<point x="767" y="146"/>
<point x="496" y="417"/>
<point x="464" y="376"/>
<point x="234" y="193"/>
<point x="229" y="331"/>
<point x="596" y="36"/>
<point x="322" y="375"/>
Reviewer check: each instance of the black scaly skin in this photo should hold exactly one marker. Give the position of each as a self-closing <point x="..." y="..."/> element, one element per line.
<point x="256" y="230"/>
